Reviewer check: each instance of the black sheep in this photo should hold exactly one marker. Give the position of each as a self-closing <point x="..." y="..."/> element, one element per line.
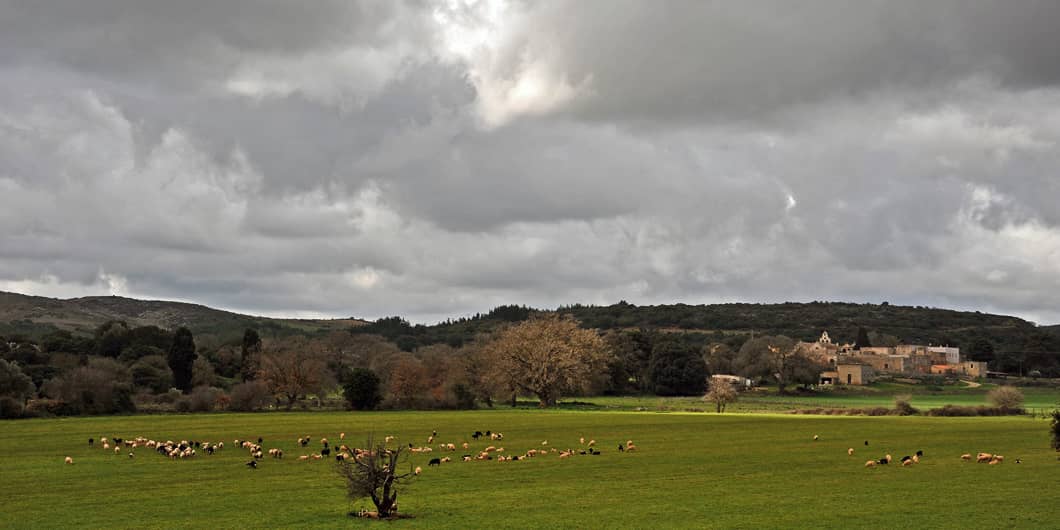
<point x="435" y="462"/>
<point x="260" y="441"/>
<point x="906" y="457"/>
<point x="90" y="442"/>
<point x="919" y="454"/>
<point x="621" y="448"/>
<point x="477" y="435"/>
<point x="866" y="442"/>
<point x="253" y="464"/>
<point x="325" y="451"/>
<point x="884" y="461"/>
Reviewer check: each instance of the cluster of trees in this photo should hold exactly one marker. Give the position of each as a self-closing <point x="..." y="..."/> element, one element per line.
<point x="514" y="351"/>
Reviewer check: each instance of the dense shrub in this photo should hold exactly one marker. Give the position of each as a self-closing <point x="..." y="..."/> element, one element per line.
<point x="250" y="396"/>
<point x="201" y="399"/>
<point x="10" y="407"/>
<point x="958" y="410"/>
<point x="902" y="407"/>
<point x="464" y="397"/>
<point x="1055" y="427"/>
<point x="1008" y="397"/>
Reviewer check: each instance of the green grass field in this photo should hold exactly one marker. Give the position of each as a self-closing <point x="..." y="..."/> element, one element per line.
<point x="691" y="470"/>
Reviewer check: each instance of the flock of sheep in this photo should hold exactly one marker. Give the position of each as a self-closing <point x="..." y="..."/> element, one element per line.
<point x="906" y="461"/>
<point x="185" y="449"/>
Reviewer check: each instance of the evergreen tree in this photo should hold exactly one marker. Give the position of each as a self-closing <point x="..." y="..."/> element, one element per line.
<point x="181" y="358"/>
<point x="251" y="355"/>
<point x="863" y="339"/>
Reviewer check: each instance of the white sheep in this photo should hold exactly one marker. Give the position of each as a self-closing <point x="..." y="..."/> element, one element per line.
<point x="850" y="451"/>
<point x="69" y="460"/>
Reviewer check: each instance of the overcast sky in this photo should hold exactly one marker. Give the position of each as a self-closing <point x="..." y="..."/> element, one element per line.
<point x="435" y="159"/>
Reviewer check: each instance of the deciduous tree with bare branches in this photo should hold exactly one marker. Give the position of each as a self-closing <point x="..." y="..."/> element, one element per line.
<point x="294" y="368"/>
<point x="374" y="474"/>
<point x="721" y="393"/>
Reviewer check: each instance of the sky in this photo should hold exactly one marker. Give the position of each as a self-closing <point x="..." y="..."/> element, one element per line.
<point x="437" y="159"/>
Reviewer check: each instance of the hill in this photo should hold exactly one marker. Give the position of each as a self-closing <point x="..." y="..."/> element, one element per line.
<point x="36" y="316"/>
<point x="806" y="321"/>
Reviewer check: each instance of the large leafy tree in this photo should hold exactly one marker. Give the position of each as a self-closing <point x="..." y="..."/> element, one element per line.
<point x="677" y="369"/>
<point x="547" y="356"/>
<point x="181" y="358"/>
<point x="776" y="358"/>
<point x="361" y="389"/>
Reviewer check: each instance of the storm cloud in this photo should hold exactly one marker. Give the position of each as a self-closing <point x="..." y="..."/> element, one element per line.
<point x="434" y="159"/>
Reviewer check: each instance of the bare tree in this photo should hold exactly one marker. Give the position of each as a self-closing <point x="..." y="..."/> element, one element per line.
<point x="293" y="368"/>
<point x="373" y="473"/>
<point x="721" y="393"/>
<point x="1006" y="397"/>
<point x="547" y="356"/>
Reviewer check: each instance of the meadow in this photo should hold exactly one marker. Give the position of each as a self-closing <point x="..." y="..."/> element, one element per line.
<point x="691" y="470"/>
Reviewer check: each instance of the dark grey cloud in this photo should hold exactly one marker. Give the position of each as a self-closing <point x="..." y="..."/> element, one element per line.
<point x="438" y="159"/>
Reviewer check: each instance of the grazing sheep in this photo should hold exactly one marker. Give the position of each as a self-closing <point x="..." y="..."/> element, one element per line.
<point x="253" y="464"/>
<point x="106" y="446"/>
<point x="994" y="461"/>
<point x="999" y="458"/>
<point x="90" y="442"/>
<point x="888" y="457"/>
<point x="906" y="458"/>
<point x="1017" y="460"/>
<point x="850" y="451"/>
<point x="815" y="437"/>
<point x="435" y="462"/>
<point x="342" y="436"/>
<point x="117" y="449"/>
<point x="870" y="463"/>
<point x="591" y="443"/>
<point x="451" y="447"/>
<point x="883" y="461"/>
<point x="476" y="435"/>
<point x="581" y="440"/>
<point x="446" y="460"/>
<point x="132" y="455"/>
<point x="69" y="460"/>
<point x="465" y="445"/>
<point x="984" y="457"/>
<point x="418" y="470"/>
<point x="966" y="456"/>
<point x="621" y="447"/>
<point x="317" y="457"/>
<point x="631" y="447"/>
<point x="388" y="439"/>
<point x="490" y="449"/>
<point x="907" y="462"/>
<point x="340" y="457"/>
<point x="916" y="459"/>
<point x="866" y="442"/>
<point x="544" y="442"/>
<point x="303" y="458"/>
<point x="467" y="458"/>
<point x="430" y="439"/>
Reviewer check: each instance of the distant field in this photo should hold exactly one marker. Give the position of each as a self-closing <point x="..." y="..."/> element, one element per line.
<point x="1037" y="400"/>
<point x="692" y="470"/>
